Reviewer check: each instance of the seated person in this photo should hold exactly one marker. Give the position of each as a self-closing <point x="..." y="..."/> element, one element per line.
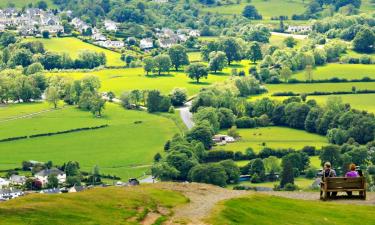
<point x="352" y="172"/>
<point x="328" y="172"/>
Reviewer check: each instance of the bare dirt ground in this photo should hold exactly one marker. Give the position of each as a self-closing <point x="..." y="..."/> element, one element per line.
<point x="203" y="198"/>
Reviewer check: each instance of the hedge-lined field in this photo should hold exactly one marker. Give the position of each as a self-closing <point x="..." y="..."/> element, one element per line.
<point x="74" y="46"/>
<point x="22" y="3"/>
<point x="343" y="71"/>
<point x="120" y="80"/>
<point x="15" y="110"/>
<point x="96" y="206"/>
<point x="123" y="148"/>
<point x="267" y="9"/>
<point x="274" y="137"/>
<point x="265" y="209"/>
<point x="361" y="102"/>
<point x="325" y="87"/>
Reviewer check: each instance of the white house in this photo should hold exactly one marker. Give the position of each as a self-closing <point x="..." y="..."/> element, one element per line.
<point x="220" y="138"/>
<point x="194" y="33"/>
<point x="7" y="194"/>
<point x="17" y="180"/>
<point x="298" y="29"/>
<point x="43" y="175"/>
<point x="4" y="182"/>
<point x="146" y="43"/>
<point x="98" y="37"/>
<point x="110" y="44"/>
<point x="110" y="25"/>
<point x="76" y="189"/>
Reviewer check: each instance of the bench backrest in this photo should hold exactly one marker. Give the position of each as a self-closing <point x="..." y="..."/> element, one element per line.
<point x="345" y="182"/>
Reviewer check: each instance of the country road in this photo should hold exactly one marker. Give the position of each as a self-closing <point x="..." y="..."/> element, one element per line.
<point x="186" y="115"/>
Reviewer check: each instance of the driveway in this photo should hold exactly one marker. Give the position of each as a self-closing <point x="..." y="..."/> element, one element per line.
<point x="186" y="115"/>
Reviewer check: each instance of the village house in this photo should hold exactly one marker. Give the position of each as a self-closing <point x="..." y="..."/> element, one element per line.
<point x="51" y="191"/>
<point x="79" y="25"/>
<point x="6" y="194"/>
<point x="98" y="37"/>
<point x="42" y="176"/>
<point x="146" y="43"/>
<point x="76" y="189"/>
<point x="4" y="183"/>
<point x="299" y="29"/>
<point x="221" y="138"/>
<point x="110" y="44"/>
<point x="110" y="25"/>
<point x="17" y="179"/>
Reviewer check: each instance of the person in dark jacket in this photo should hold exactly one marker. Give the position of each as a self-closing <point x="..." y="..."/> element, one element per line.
<point x="329" y="172"/>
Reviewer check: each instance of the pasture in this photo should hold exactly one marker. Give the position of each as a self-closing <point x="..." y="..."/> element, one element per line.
<point x="74" y="46"/>
<point x="274" y="137"/>
<point x="325" y="87"/>
<point x="111" y="205"/>
<point x="120" y="80"/>
<point x="194" y="56"/>
<point x="266" y="8"/>
<point x="343" y="71"/>
<point x="22" y="3"/>
<point x="356" y="101"/>
<point x="124" y="148"/>
<point x="263" y="210"/>
<point x="301" y="182"/>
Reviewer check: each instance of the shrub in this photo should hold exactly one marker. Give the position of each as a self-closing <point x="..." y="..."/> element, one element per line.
<point x="365" y="59"/>
<point x="245" y="122"/>
<point x="310" y="173"/>
<point x="290" y="187"/>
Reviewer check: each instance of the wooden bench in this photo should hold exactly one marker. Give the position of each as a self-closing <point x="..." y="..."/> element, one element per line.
<point x="343" y="184"/>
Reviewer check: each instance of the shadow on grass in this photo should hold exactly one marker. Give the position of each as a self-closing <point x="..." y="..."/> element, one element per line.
<point x="236" y="66"/>
<point x="200" y="83"/>
<point x="157" y="75"/>
<point x="219" y="74"/>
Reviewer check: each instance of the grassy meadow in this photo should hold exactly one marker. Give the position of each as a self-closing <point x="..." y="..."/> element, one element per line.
<point x="15" y="110"/>
<point x="274" y="137"/>
<point x="301" y="182"/>
<point x="120" y="80"/>
<point x="266" y="8"/>
<point x="347" y="71"/>
<point x="106" y="206"/>
<point x="22" y="3"/>
<point x="123" y="148"/>
<point x="74" y="46"/>
<point x="264" y="210"/>
<point x="357" y="101"/>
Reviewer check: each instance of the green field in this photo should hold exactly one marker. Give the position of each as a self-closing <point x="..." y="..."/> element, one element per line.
<point x="22" y="3"/>
<point x="124" y="148"/>
<point x="347" y="71"/>
<point x="266" y="8"/>
<point x="301" y="182"/>
<point x="367" y="6"/>
<point x="325" y="87"/>
<point x="274" y="137"/>
<point x="105" y="206"/>
<point x="265" y="210"/>
<point x="120" y="80"/>
<point x="359" y="101"/>
<point x="16" y="110"/>
<point x="74" y="46"/>
<point x="194" y="56"/>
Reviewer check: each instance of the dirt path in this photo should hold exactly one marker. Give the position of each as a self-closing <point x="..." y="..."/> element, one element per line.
<point x="203" y="198"/>
<point x="314" y="196"/>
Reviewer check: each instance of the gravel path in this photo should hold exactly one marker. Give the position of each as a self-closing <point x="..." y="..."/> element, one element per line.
<point x="186" y="115"/>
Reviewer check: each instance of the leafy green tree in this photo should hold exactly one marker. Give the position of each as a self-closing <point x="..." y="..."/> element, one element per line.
<point x="34" y="68"/>
<point x="217" y="62"/>
<point x="251" y="12"/>
<point x="52" y="181"/>
<point x="332" y="154"/>
<point x="272" y="165"/>
<point x="72" y="168"/>
<point x="295" y="114"/>
<point x="22" y="57"/>
<point x="311" y="119"/>
<point x="164" y="171"/>
<point x="45" y="34"/>
<point x="209" y="173"/>
<point x="182" y="161"/>
<point x="285" y="73"/>
<point x="73" y="181"/>
<point x="232" y="171"/>
<point x="7" y="38"/>
<point x="254" y="53"/>
<point x="42" y="5"/>
<point x="232" y="49"/>
<point x="209" y="114"/>
<point x="162" y="63"/>
<point x="290" y="42"/>
<point x="178" y="96"/>
<point x="287" y="174"/>
<point x="149" y="65"/>
<point x="257" y="167"/>
<point x="364" y="40"/>
<point x="52" y="96"/>
<point x="226" y="118"/>
<point x="153" y="101"/>
<point x="178" y="56"/>
<point x="196" y="71"/>
<point x="202" y="133"/>
<point x="97" y="104"/>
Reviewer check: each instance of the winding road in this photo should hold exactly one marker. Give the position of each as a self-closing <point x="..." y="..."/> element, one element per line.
<point x="186" y="115"/>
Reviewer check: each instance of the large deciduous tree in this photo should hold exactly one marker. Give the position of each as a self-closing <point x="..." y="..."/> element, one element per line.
<point x="178" y="56"/>
<point x="197" y="71"/>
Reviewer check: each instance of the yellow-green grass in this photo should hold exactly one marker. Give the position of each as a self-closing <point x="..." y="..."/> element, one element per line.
<point x="74" y="46"/>
<point x="278" y="40"/>
<point x="315" y="162"/>
<point x="208" y="38"/>
<point x="267" y="9"/>
<point x="8" y="111"/>
<point x="124" y="148"/>
<point x="264" y="210"/>
<point x="347" y="71"/>
<point x="120" y="80"/>
<point x="274" y="137"/>
<point x="367" y="6"/>
<point x="323" y="87"/>
<point x="356" y="101"/>
<point x="301" y="182"/>
<point x="22" y="3"/>
<point x="194" y="56"/>
<point x="106" y="206"/>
